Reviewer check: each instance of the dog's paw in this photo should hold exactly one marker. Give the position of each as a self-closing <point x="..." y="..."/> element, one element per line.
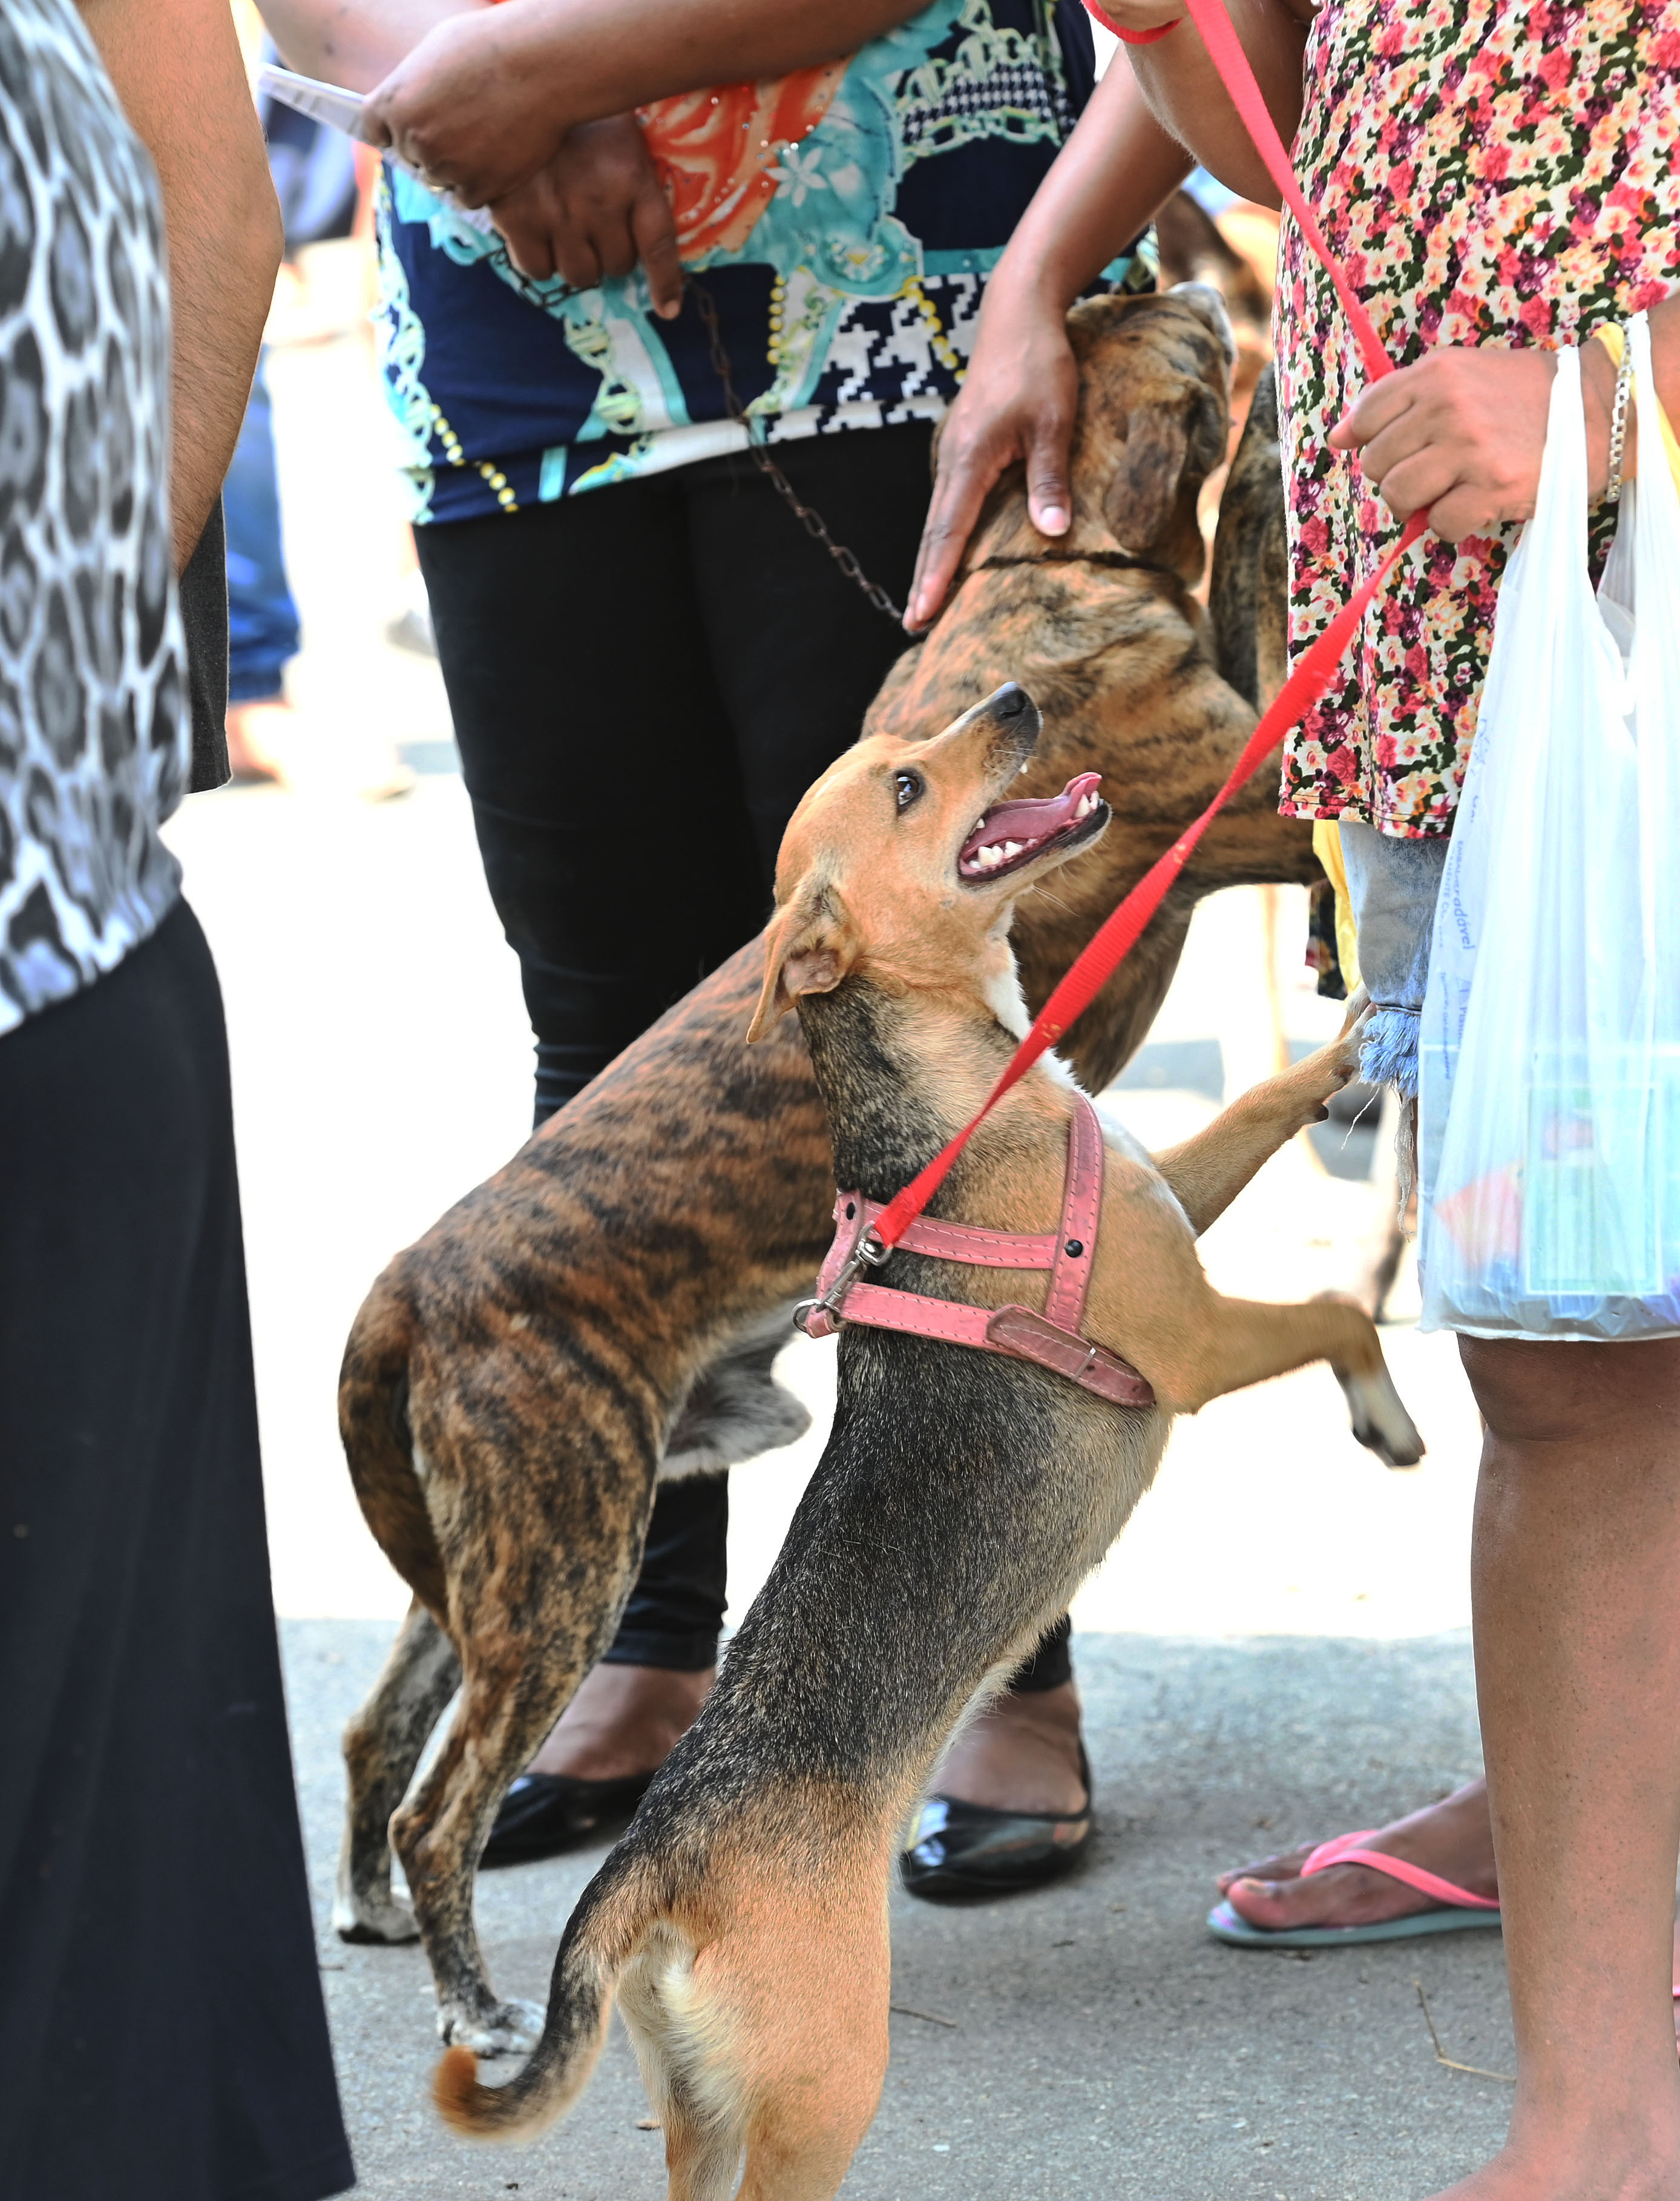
<point x="506" y="2028"/>
<point x="365" y="1918"/>
<point x="1342" y="1056"/>
<point x="1357" y="1011"/>
<point x="1380" y="1421"/>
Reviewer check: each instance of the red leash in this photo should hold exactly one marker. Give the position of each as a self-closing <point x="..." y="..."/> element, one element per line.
<point x="1102" y="956"/>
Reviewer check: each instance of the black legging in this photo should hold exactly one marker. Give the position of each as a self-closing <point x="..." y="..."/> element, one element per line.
<point x="645" y="679"/>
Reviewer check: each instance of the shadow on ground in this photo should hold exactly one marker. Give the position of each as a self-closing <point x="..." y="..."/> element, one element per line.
<point x="1087" y="2041"/>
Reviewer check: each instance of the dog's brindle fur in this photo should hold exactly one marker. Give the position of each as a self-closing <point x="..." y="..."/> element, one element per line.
<point x="961" y="1499"/>
<point x="608" y="1306"/>
<point x="1250" y="584"/>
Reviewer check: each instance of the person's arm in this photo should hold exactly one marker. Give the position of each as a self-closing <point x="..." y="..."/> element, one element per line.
<point x="1018" y="399"/>
<point x="483" y="100"/>
<point x="1178" y="78"/>
<point x="355" y="43"/>
<point x="178" y="70"/>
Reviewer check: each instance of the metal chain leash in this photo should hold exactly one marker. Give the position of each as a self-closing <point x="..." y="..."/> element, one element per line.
<point x="812" y="522"/>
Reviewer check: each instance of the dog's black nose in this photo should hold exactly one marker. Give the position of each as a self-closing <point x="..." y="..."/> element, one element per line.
<point x="1010" y="701"/>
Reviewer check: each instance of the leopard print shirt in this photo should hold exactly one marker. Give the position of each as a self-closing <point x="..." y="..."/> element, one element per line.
<point x="93" y="726"/>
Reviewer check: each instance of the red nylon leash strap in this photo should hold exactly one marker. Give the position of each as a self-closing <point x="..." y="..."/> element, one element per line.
<point x="1103" y="954"/>
<point x="1225" y="50"/>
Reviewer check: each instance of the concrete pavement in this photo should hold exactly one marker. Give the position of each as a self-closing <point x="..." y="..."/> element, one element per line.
<point x="1086" y="2043"/>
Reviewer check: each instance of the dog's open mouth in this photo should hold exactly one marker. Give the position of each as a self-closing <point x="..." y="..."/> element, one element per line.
<point x="1011" y="834"/>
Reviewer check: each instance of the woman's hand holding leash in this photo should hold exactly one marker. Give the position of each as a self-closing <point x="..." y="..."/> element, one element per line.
<point x="1461" y="434"/>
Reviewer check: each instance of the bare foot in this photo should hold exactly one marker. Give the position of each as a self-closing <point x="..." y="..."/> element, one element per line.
<point x="1452" y="1838"/>
<point x="1021" y="1754"/>
<point x="623" y="1720"/>
<point x="267" y="740"/>
<point x="1550" y="2157"/>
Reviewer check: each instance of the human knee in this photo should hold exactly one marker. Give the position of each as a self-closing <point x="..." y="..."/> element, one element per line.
<point x="1532" y="1392"/>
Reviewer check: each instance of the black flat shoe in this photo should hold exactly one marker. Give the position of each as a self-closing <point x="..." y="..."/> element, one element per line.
<point x="544" y="1814"/>
<point x="970" y="1849"/>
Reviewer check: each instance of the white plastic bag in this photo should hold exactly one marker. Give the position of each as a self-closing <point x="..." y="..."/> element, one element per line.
<point x="1550" y="1042"/>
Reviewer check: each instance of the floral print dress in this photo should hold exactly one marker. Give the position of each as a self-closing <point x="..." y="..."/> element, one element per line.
<point x="1488" y="172"/>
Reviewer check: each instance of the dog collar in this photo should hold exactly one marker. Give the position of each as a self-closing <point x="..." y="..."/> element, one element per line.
<point x="1051" y="1339"/>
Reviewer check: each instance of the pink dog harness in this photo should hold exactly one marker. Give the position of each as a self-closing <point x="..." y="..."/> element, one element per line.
<point x="1051" y="1339"/>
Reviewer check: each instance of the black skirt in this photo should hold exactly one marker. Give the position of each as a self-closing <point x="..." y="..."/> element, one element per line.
<point x="163" y="2036"/>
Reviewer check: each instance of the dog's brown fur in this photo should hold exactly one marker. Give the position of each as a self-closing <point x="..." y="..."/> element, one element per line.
<point x="744" y="1913"/>
<point x="608" y="1305"/>
<point x="1250" y="584"/>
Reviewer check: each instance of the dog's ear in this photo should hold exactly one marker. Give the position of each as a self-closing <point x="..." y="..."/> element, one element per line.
<point x="1168" y="452"/>
<point x="1142" y="496"/>
<point x="809" y="947"/>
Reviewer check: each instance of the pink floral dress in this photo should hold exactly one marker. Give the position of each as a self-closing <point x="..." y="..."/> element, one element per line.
<point x="1489" y="172"/>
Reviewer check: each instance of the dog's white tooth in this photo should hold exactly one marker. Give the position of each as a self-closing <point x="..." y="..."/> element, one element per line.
<point x="991" y="856"/>
<point x="1011" y="848"/>
<point x="979" y="824"/>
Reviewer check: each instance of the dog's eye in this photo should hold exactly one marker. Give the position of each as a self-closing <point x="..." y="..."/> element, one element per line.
<point x="909" y="785"/>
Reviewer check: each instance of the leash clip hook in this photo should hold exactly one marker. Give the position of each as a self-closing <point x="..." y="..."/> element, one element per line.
<point x="868" y="1252"/>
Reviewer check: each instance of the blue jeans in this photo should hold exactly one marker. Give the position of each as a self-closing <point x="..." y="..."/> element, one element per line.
<point x="261" y="617"/>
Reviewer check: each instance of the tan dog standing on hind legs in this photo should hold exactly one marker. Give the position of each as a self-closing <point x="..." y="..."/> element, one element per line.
<point x="961" y="1497"/>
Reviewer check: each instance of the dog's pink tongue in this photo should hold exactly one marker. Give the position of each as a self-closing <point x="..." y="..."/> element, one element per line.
<point x="1015" y="828"/>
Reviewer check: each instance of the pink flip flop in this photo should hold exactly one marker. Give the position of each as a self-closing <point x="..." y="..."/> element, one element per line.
<point x="1459" y="1907"/>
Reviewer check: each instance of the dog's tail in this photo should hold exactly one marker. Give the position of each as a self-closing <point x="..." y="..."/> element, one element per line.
<point x="603" y="1934"/>
<point x="379" y="1444"/>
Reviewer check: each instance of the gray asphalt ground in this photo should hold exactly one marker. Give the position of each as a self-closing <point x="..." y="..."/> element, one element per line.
<point x="1275" y="1651"/>
<point x="1086" y="2043"/>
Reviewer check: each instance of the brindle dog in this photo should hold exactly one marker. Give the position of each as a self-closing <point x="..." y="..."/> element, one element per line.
<point x="606" y="1308"/>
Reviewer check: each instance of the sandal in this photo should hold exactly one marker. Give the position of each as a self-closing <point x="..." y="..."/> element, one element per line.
<point x="543" y="1815"/>
<point x="1459" y="1907"/>
<point x="972" y="1849"/>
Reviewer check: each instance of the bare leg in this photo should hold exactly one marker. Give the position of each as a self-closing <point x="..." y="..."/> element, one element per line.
<point x="1021" y="1754"/>
<point x="624" y="1719"/>
<point x="1575" y="1556"/>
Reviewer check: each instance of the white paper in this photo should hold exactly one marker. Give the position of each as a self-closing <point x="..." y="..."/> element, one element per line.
<point x="343" y="110"/>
